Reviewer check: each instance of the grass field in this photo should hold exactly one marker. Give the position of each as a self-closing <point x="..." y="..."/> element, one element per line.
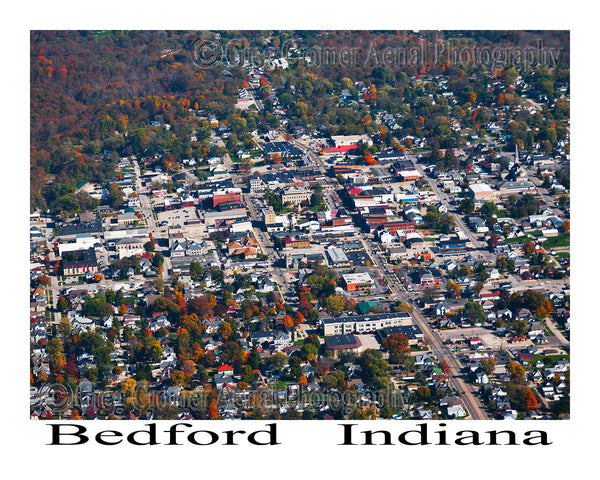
<point x="559" y="241"/>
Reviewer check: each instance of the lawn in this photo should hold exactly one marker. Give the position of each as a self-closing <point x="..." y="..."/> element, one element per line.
<point x="550" y="359"/>
<point x="558" y="241"/>
<point x="517" y="239"/>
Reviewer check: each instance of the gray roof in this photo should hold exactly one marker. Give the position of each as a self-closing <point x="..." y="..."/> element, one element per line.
<point x="367" y="318"/>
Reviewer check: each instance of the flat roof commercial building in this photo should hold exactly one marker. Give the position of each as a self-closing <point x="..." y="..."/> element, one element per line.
<point x="481" y="191"/>
<point x="341" y="343"/>
<point x="337" y="257"/>
<point x="411" y="332"/>
<point x="364" y="323"/>
<point x="295" y="196"/>
<point x="80" y="261"/>
<point x="357" y="281"/>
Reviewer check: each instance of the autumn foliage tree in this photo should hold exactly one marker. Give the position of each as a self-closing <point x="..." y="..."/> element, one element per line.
<point x="516" y="371"/>
<point x="396" y="344"/>
<point x="369" y="160"/>
<point x="530" y="401"/>
<point x="287" y="321"/>
<point x="213" y="411"/>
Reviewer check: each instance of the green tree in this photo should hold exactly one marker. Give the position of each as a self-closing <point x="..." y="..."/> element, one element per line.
<point x="375" y="370"/>
<point x="248" y="374"/>
<point x="474" y="312"/>
<point x="488" y="365"/>
<point x="467" y="205"/>
<point x="488" y="209"/>
<point x="196" y="270"/>
<point x="152" y="350"/>
<point x="64" y="327"/>
<point x="278" y="361"/>
<point x="62" y="304"/>
<point x="115" y="195"/>
<point x="253" y="359"/>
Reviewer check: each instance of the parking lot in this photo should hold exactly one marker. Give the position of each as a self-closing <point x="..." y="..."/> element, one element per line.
<point x="176" y="217"/>
<point x="486" y="337"/>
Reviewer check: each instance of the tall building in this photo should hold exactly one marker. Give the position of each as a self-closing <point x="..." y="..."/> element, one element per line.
<point x="269" y="216"/>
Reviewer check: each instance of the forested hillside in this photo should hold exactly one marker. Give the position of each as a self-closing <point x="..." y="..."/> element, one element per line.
<point x="96" y="95"/>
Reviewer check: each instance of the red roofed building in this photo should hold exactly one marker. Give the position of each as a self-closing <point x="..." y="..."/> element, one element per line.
<point x="342" y="148"/>
<point x="225" y="369"/>
<point x="394" y="227"/>
<point x="227" y="195"/>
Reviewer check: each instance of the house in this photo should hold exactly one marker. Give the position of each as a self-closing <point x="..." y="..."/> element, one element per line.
<point x="481" y="378"/>
<point x="223" y="380"/>
<point x="534" y="329"/>
<point x="424" y="414"/>
<point x="525" y="357"/>
<point x="178" y="248"/>
<point x="226" y="370"/>
<point x="265" y="285"/>
<point x="159" y="322"/>
<point x="440" y="309"/>
<point x="282" y="340"/>
<point x="245" y="248"/>
<point x="424" y="361"/>
<point x="453" y="406"/>
<point x="258" y="338"/>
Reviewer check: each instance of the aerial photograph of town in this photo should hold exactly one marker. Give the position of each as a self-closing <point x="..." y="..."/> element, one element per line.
<point x="299" y="225"/>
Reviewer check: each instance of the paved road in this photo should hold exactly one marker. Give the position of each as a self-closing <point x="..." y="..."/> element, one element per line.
<point x="561" y="340"/>
<point x="442" y="353"/>
<point x="435" y="342"/>
<point x="146" y="208"/>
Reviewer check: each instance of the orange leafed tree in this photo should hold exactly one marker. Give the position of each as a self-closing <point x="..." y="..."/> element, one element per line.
<point x="372" y="93"/>
<point x="369" y="160"/>
<point x="287" y="321"/>
<point x="213" y="412"/>
<point x="530" y="400"/>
